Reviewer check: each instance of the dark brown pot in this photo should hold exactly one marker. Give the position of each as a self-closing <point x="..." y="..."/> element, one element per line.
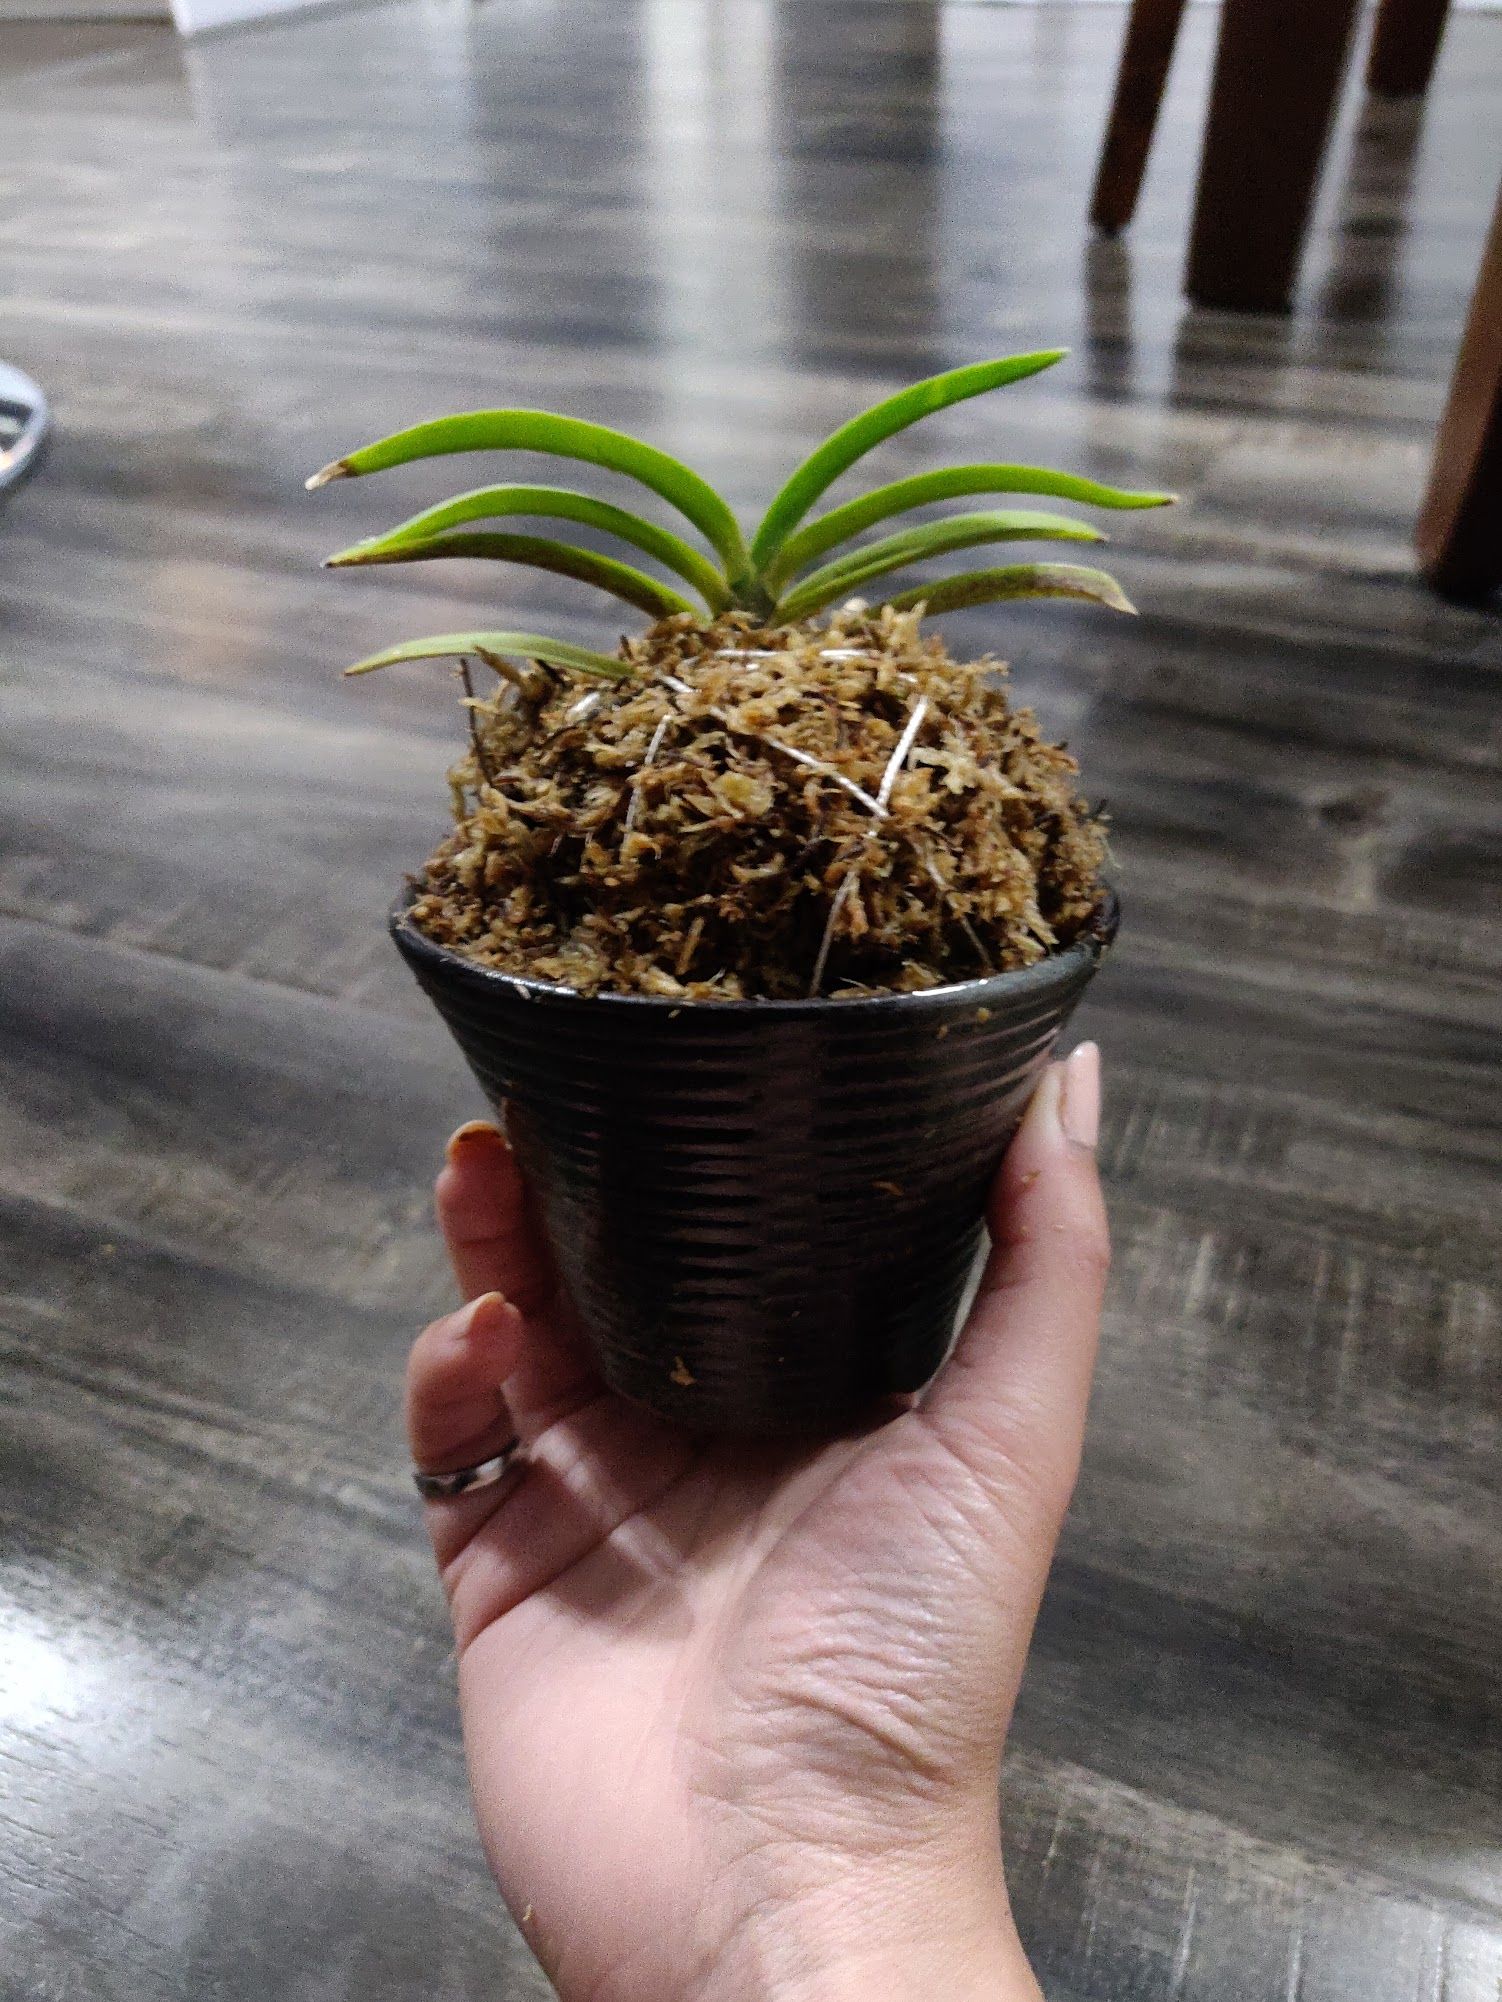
<point x="765" y="1212"/>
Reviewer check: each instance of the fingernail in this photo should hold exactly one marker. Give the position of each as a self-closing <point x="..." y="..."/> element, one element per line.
<point x="487" y="1307"/>
<point x="1079" y="1107"/>
<point x="474" y="1133"/>
<point x="481" y="1317"/>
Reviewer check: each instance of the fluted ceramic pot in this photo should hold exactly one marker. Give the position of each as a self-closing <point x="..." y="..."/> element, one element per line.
<point x="765" y="1212"/>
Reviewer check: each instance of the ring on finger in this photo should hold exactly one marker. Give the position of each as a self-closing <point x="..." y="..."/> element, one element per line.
<point x="464" y="1480"/>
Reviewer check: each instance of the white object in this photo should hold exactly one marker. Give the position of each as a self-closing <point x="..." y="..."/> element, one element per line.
<point x="193" y="17"/>
<point x="24" y="423"/>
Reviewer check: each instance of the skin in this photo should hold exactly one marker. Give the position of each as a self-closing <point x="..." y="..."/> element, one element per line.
<point x="735" y="1715"/>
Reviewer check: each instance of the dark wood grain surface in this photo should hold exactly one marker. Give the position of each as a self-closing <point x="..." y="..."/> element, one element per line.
<point x="1259" y="1753"/>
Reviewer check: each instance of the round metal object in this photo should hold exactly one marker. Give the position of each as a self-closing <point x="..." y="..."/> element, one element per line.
<point x="464" y="1480"/>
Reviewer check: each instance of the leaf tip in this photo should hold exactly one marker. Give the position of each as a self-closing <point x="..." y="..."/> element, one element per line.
<point x="337" y="469"/>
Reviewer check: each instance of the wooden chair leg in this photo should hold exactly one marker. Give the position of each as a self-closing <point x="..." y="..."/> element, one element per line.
<point x="1405" y="43"/>
<point x="1152" y="30"/>
<point x="1278" y="73"/>
<point x="1459" y="534"/>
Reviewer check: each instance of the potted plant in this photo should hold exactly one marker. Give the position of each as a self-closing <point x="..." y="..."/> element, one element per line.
<point x="761" y="929"/>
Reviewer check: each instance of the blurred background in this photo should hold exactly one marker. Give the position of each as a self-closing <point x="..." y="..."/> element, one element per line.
<point x="1259" y="1752"/>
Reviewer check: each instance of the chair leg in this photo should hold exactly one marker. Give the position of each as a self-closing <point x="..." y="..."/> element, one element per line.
<point x="1405" y="43"/>
<point x="1278" y="73"/>
<point x="1152" y="30"/>
<point x="1459" y="536"/>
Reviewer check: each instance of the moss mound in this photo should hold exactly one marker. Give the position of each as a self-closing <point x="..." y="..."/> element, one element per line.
<point x="764" y="813"/>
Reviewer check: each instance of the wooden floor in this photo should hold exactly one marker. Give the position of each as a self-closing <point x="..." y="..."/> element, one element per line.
<point x="1259" y="1755"/>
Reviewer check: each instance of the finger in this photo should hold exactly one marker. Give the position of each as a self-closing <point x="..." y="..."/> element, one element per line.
<point x="1013" y="1399"/>
<point x="588" y="1466"/>
<point x="457" y="1410"/>
<point x="457" y="1414"/>
<point x="496" y="1245"/>
<point x="493" y="1242"/>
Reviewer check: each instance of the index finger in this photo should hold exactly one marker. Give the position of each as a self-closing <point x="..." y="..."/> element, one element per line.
<point x="494" y="1244"/>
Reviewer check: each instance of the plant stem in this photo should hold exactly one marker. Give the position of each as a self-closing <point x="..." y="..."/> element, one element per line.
<point x="749" y="594"/>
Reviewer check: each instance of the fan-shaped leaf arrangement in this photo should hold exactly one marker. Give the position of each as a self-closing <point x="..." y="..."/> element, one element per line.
<point x="787" y="572"/>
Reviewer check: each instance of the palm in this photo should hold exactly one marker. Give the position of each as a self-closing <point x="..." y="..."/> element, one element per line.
<point x="702" y="1654"/>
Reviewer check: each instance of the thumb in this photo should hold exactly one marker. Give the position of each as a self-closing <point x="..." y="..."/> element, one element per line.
<point x="1012" y="1402"/>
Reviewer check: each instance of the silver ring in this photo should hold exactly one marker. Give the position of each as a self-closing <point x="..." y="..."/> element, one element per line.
<point x="443" y="1487"/>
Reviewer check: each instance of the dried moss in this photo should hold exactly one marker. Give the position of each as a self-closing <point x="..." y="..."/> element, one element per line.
<point x="764" y="813"/>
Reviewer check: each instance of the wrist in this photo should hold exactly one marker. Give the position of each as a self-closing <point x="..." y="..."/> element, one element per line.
<point x="969" y="1964"/>
<point x="893" y="1935"/>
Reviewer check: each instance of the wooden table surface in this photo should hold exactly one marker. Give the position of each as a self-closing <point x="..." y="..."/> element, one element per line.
<point x="1259" y="1754"/>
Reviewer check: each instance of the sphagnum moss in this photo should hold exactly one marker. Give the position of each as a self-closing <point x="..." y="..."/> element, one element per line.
<point x="746" y="801"/>
<point x="765" y="813"/>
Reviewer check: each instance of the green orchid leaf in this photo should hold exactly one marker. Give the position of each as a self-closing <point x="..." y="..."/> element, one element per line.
<point x="494" y="648"/>
<point x="1017" y="580"/>
<point x="853" y="440"/>
<point x="933" y="538"/>
<point x="952" y="483"/>
<point x="622" y="580"/>
<point x="563" y="437"/>
<point x="489" y="503"/>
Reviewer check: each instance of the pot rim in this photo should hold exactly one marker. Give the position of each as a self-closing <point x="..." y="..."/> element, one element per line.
<point x="1085" y="953"/>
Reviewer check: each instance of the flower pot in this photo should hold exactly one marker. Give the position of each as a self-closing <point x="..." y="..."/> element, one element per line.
<point x="764" y="1212"/>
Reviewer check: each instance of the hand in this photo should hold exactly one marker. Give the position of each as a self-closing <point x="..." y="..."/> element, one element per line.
<point x="735" y="1713"/>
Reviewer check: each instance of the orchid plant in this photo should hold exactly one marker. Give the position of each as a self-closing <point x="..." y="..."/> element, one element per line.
<point x="790" y="569"/>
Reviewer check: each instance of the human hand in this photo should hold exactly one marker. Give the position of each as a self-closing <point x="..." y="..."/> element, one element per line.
<point x="735" y="1713"/>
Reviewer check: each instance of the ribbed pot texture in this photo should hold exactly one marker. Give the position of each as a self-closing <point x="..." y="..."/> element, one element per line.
<point x="764" y="1212"/>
